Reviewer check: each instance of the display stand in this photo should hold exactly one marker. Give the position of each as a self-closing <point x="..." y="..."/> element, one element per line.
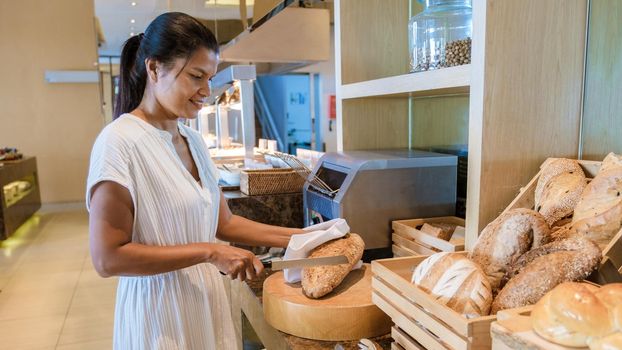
<point x="19" y="194"/>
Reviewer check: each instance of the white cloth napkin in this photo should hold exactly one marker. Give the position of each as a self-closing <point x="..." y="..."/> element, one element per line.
<point x="300" y="245"/>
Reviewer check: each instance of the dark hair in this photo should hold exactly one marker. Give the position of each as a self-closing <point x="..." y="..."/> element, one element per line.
<point x="170" y="36"/>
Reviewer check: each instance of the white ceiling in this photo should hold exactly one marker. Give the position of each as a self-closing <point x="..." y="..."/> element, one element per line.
<point x="116" y="16"/>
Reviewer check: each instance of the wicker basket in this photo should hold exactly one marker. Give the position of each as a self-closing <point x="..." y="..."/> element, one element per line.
<point x="270" y="181"/>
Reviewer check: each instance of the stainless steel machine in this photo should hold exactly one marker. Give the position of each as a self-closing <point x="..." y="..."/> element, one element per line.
<point x="372" y="188"/>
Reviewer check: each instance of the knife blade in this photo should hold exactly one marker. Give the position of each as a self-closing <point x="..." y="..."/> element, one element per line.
<point x="305" y="262"/>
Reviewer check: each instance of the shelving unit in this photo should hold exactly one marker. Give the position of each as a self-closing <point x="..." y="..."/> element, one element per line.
<point x="517" y="103"/>
<point x="448" y="81"/>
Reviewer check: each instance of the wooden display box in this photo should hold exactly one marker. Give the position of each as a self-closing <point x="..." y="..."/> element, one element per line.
<point x="421" y="322"/>
<point x="409" y="241"/>
<point x="513" y="330"/>
<point x="608" y="271"/>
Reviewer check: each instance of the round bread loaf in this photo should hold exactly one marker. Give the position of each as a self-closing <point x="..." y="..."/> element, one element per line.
<point x="507" y="238"/>
<point x="455" y="281"/>
<point x="571" y="314"/>
<point x="551" y="168"/>
<point x="542" y="269"/>
<point x="598" y="215"/>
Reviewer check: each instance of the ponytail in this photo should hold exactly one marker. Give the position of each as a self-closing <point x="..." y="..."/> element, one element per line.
<point x="132" y="78"/>
<point x="170" y="36"/>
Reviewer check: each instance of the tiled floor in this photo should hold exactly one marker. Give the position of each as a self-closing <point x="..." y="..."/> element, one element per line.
<point x="51" y="297"/>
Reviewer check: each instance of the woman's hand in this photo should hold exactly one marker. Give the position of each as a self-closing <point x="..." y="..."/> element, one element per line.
<point x="235" y="262"/>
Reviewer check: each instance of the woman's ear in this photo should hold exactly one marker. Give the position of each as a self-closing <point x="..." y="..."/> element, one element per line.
<point x="152" y="69"/>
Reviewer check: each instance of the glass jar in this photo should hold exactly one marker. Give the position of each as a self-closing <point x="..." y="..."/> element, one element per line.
<point x="440" y="36"/>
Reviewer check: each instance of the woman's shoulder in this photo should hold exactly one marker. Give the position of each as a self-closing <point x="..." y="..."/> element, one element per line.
<point x="124" y="132"/>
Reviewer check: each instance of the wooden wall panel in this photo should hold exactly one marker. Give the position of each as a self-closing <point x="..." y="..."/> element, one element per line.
<point x="440" y="121"/>
<point x="533" y="73"/>
<point x="602" y="115"/>
<point x="57" y="123"/>
<point x="375" y="123"/>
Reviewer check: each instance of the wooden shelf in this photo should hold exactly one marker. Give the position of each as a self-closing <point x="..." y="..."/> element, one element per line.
<point x="446" y="81"/>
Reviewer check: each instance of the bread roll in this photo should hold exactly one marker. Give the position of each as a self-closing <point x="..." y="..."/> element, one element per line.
<point x="561" y="195"/>
<point x="598" y="214"/>
<point x="569" y="315"/>
<point x="611" y="296"/>
<point x="455" y="281"/>
<point x="507" y="238"/>
<point x="318" y="281"/>
<point x="543" y="269"/>
<point x="551" y="168"/>
<point x="610" y="342"/>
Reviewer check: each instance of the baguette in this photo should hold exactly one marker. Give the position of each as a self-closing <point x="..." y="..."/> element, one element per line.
<point x="317" y="281"/>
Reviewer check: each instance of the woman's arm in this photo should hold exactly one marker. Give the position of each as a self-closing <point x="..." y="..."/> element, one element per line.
<point x="234" y="228"/>
<point x="113" y="253"/>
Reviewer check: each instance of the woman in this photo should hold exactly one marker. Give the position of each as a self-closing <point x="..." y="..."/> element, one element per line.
<point x="154" y="202"/>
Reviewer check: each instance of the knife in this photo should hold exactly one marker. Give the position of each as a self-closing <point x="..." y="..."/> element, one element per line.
<point x="305" y="262"/>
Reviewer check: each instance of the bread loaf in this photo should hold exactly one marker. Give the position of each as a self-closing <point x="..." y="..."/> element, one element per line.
<point x="571" y="314"/>
<point x="507" y="238"/>
<point x="611" y="161"/>
<point x="560" y="196"/>
<point x="317" y="281"/>
<point x="559" y="233"/>
<point x="543" y="269"/>
<point x="551" y="168"/>
<point x="455" y="281"/>
<point x="598" y="215"/>
<point x="439" y="230"/>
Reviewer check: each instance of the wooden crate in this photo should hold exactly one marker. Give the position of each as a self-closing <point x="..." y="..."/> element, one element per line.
<point x="609" y="270"/>
<point x="422" y="322"/>
<point x="513" y="330"/>
<point x="409" y="241"/>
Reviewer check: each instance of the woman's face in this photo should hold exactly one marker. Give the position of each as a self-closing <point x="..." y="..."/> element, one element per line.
<point x="181" y="88"/>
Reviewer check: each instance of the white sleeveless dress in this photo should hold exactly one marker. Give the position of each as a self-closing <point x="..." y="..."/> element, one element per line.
<point x="184" y="309"/>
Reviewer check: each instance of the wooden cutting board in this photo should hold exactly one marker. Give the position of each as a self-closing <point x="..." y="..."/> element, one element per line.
<point x="347" y="313"/>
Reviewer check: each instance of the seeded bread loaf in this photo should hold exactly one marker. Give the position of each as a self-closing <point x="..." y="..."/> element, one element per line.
<point x="543" y="269"/>
<point x="317" y="281"/>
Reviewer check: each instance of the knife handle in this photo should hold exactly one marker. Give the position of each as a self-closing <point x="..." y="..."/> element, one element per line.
<point x="267" y="264"/>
